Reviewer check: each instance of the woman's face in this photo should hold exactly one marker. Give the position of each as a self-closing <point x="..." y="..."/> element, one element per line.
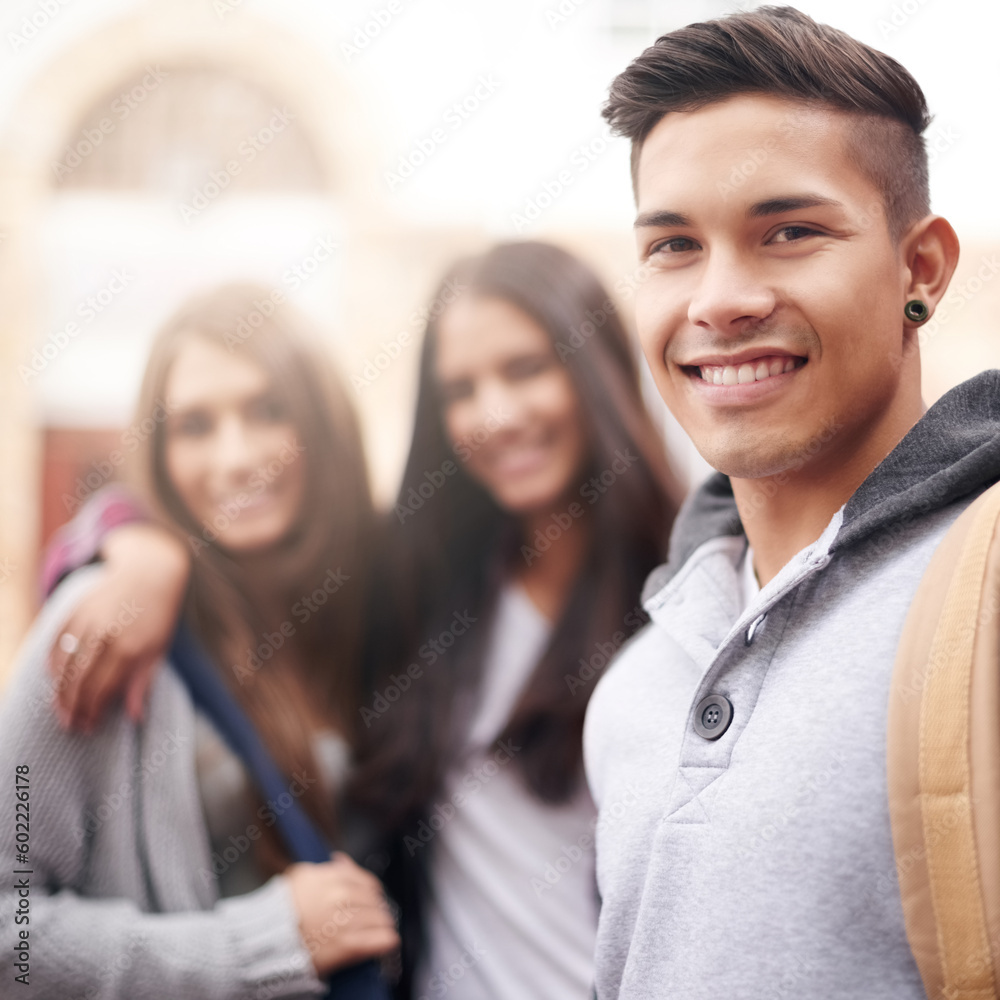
<point x="510" y="407"/>
<point x="232" y="452"/>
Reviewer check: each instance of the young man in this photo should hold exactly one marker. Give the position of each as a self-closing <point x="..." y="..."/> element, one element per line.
<point x="737" y="747"/>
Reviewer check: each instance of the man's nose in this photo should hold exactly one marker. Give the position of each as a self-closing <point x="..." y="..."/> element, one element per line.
<point x="729" y="293"/>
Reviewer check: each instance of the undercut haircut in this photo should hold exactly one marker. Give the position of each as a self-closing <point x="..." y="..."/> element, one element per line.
<point x="782" y="52"/>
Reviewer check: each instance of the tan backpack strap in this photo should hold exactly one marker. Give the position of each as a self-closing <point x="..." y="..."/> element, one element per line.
<point x="943" y="755"/>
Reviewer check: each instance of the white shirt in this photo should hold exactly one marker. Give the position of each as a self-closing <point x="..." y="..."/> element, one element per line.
<point x="514" y="913"/>
<point x="749" y="585"/>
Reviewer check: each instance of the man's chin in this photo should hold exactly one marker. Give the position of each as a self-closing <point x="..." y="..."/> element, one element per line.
<point x="750" y="462"/>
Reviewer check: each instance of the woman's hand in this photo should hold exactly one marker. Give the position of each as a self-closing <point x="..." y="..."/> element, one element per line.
<point x="343" y="914"/>
<point x="117" y="634"/>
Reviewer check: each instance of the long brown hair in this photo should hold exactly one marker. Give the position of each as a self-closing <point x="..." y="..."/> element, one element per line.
<point x="330" y="541"/>
<point x="454" y="552"/>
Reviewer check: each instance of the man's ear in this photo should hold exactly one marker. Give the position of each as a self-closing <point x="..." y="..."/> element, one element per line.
<point x="930" y="254"/>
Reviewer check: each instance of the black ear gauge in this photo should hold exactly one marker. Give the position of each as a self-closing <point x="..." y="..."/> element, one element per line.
<point x="916" y="310"/>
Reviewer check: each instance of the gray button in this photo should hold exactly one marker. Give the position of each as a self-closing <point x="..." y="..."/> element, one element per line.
<point x="712" y="716"/>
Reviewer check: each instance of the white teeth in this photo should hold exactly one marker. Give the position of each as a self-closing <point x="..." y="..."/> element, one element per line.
<point x="746" y="373"/>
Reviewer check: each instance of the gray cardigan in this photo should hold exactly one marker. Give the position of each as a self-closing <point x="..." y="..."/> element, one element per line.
<point x="123" y="903"/>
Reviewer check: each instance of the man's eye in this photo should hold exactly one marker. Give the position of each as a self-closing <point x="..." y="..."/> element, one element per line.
<point x="677" y="244"/>
<point x="789" y="234"/>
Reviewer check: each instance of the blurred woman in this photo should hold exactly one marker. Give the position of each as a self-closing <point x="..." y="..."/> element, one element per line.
<point x="156" y="870"/>
<point x="536" y="499"/>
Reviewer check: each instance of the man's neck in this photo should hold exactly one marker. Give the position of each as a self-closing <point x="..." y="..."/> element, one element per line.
<point x="784" y="513"/>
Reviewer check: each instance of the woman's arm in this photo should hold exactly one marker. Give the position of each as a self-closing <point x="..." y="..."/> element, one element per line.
<point x="108" y="948"/>
<point x="113" y="640"/>
<point x="78" y="542"/>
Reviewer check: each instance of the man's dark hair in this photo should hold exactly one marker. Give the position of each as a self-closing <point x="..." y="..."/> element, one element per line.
<point x="782" y="52"/>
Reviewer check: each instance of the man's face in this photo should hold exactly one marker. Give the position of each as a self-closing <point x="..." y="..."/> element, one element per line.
<point x="772" y="316"/>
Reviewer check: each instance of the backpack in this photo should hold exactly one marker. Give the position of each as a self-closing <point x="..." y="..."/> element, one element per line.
<point x="944" y="761"/>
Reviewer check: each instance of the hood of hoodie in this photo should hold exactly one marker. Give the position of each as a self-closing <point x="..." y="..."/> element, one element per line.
<point x="951" y="452"/>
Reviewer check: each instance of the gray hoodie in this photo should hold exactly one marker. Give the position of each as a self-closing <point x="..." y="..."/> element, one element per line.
<point x="759" y="864"/>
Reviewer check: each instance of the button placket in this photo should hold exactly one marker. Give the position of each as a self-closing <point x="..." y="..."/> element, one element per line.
<point x="733" y="681"/>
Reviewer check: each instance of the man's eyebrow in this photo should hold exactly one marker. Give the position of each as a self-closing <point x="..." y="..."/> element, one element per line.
<point x="661" y="219"/>
<point x="665" y="219"/>
<point x="775" y="206"/>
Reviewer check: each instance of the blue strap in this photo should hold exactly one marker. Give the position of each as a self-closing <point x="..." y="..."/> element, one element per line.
<point x="299" y="834"/>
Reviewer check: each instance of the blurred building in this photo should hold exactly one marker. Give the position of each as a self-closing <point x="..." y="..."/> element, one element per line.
<point x="342" y="154"/>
